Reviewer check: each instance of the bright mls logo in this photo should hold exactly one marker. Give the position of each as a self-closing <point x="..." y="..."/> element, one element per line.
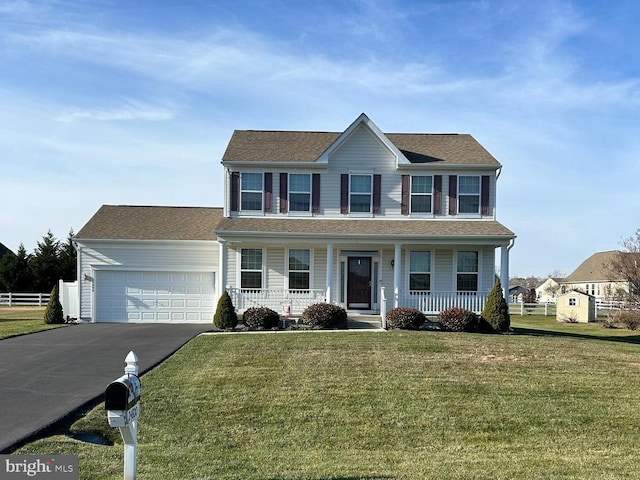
<point x="50" y="467"/>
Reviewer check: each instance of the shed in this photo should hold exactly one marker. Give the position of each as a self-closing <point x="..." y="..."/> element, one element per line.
<point x="576" y="306"/>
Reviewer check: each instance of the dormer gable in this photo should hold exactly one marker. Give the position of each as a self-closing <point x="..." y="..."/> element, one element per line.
<point x="366" y="122"/>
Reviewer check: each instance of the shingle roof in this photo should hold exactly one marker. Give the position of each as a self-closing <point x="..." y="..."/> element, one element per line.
<point x="299" y="146"/>
<point x="3" y="250"/>
<point x="363" y="227"/>
<point x="594" y="268"/>
<point x="127" y="222"/>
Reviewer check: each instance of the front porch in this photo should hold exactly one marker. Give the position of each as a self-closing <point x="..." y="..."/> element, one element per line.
<point x="294" y="302"/>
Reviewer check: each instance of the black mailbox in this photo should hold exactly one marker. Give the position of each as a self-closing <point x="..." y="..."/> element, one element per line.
<point x="123" y="393"/>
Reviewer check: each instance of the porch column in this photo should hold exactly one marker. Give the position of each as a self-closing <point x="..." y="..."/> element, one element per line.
<point x="504" y="270"/>
<point x="396" y="275"/>
<point x="222" y="268"/>
<point x="329" y="273"/>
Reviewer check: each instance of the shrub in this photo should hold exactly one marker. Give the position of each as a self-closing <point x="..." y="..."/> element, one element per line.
<point x="225" y="317"/>
<point x="405" y="318"/>
<point x="496" y="310"/>
<point x="260" y="318"/>
<point x="324" y="315"/>
<point x="53" y="313"/>
<point x="457" y="319"/>
<point x="628" y="318"/>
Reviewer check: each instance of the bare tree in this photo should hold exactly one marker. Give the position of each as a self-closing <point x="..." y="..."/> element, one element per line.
<point x="625" y="266"/>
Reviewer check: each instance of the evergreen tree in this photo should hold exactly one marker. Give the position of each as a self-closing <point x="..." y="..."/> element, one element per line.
<point x="45" y="264"/>
<point x="496" y="310"/>
<point x="15" y="273"/>
<point x="225" y="316"/>
<point x="54" y="313"/>
<point x="67" y="259"/>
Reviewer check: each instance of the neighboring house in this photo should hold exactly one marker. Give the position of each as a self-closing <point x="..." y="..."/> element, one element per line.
<point x="574" y="306"/>
<point x="548" y="291"/>
<point x="4" y="250"/>
<point x="594" y="276"/>
<point x="359" y="218"/>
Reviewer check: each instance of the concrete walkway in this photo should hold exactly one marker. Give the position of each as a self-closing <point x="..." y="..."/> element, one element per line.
<point x="46" y="376"/>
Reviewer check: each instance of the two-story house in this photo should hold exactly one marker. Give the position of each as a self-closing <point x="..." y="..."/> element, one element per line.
<point x="361" y="218"/>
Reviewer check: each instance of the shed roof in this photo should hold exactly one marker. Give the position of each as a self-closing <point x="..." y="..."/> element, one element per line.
<point x="128" y="222"/>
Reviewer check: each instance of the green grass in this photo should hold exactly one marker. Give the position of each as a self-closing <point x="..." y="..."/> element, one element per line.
<point x="552" y="401"/>
<point x="22" y="320"/>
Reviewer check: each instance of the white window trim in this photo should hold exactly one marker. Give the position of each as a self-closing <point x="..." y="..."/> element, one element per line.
<point x="263" y="278"/>
<point x="431" y="194"/>
<point x="408" y="271"/>
<point x="311" y="262"/>
<point x="479" y="194"/>
<point x="300" y="213"/>
<point x="455" y="268"/>
<point x="261" y="191"/>
<point x="361" y="214"/>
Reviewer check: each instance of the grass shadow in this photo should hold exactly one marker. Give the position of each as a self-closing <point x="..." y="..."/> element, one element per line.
<point x="536" y="332"/>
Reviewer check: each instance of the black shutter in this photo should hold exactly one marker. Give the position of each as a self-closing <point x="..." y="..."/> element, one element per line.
<point x="284" y="193"/>
<point x="405" y="198"/>
<point x="437" y="194"/>
<point x="235" y="191"/>
<point x="484" y="195"/>
<point x="344" y="193"/>
<point x="377" y="192"/>
<point x="453" y="194"/>
<point x="268" y="192"/>
<point x="315" y="193"/>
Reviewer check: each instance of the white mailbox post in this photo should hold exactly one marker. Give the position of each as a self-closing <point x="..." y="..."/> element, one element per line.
<point x="122" y="402"/>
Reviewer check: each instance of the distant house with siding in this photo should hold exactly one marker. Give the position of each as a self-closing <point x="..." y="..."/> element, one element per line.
<point x="594" y="277"/>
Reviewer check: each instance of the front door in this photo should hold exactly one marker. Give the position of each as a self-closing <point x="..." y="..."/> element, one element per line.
<point x="359" y="283"/>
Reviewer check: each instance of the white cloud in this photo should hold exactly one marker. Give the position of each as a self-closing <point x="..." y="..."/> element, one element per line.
<point x="130" y="110"/>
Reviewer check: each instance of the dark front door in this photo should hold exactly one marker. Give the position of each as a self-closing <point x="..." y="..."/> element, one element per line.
<point x="359" y="283"/>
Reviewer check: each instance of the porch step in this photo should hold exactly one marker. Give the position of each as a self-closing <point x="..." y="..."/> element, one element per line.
<point x="363" y="321"/>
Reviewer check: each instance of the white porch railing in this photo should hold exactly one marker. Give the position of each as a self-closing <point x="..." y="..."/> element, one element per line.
<point x="276" y="300"/>
<point x="435" y="302"/>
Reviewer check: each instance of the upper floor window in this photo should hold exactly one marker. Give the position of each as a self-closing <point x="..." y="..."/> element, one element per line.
<point x="469" y="194"/>
<point x="421" y="194"/>
<point x="299" y="262"/>
<point x="299" y="192"/>
<point x="360" y="193"/>
<point x="251" y="268"/>
<point x="251" y="191"/>
<point x="419" y="271"/>
<point x="467" y="272"/>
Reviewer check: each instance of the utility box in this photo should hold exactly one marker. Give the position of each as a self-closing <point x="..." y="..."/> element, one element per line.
<point x="575" y="306"/>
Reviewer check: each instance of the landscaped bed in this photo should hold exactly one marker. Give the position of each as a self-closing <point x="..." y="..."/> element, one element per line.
<point x="552" y="401"/>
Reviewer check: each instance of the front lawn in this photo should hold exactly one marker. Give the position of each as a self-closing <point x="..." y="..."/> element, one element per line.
<point x="375" y="405"/>
<point x="22" y="320"/>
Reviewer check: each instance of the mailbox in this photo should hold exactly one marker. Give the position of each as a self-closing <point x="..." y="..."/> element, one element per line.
<point x="122" y="399"/>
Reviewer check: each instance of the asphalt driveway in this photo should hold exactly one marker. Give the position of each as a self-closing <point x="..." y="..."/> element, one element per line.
<point x="47" y="375"/>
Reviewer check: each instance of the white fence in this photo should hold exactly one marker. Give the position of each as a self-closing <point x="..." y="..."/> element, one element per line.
<point x="522" y="308"/>
<point x="68" y="294"/>
<point x="24" y="299"/>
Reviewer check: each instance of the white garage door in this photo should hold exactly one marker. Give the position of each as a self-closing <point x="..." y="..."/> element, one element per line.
<point x="155" y="297"/>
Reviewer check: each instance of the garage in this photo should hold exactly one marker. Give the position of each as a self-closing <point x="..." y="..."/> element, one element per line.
<point x="155" y="297"/>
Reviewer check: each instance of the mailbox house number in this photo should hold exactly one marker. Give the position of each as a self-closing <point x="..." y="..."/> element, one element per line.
<point x="132" y="414"/>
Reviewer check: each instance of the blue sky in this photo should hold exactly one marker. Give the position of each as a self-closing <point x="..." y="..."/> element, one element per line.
<point x="121" y="102"/>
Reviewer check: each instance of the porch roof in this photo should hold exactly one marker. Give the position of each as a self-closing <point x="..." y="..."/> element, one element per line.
<point x="375" y="229"/>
